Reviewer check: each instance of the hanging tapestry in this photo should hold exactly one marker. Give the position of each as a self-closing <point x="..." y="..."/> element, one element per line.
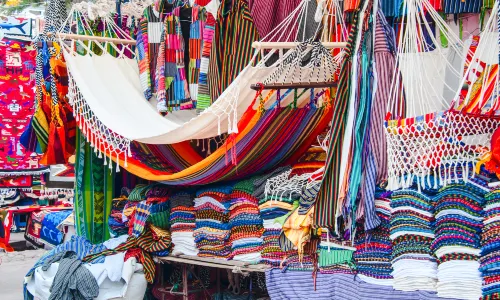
<point x="17" y="66"/>
<point x="18" y="26"/>
<point x="94" y="192"/>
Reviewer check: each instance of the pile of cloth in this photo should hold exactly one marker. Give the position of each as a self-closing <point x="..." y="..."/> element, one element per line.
<point x="334" y="256"/>
<point x="245" y="223"/>
<point x="457" y="246"/>
<point x="182" y="224"/>
<point x="490" y="250"/>
<point x="118" y="219"/>
<point x="414" y="267"/>
<point x="374" y="249"/>
<point x="211" y="233"/>
<point x="62" y="274"/>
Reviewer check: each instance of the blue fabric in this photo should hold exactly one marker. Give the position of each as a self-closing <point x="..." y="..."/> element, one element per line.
<point x="49" y="232"/>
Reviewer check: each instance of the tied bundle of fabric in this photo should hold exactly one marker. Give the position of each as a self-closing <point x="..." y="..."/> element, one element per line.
<point x="490" y="247"/>
<point x="245" y="223"/>
<point x="182" y="223"/>
<point x="334" y="256"/>
<point x="457" y="243"/>
<point x="414" y="267"/>
<point x="374" y="249"/>
<point x="211" y="233"/>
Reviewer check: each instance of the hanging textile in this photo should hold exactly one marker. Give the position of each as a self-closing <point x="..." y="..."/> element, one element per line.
<point x="17" y="79"/>
<point x="326" y="204"/>
<point x="179" y="58"/>
<point x="232" y="48"/>
<point x="94" y="193"/>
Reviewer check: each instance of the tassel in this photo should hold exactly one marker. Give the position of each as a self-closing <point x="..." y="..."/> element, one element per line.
<point x="118" y="164"/>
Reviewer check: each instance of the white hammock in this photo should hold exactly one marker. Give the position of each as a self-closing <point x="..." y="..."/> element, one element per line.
<point x="111" y="111"/>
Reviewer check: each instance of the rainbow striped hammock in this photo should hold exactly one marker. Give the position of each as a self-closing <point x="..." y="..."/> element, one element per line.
<point x="113" y="115"/>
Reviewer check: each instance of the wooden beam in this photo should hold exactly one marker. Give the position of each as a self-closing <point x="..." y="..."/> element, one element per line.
<point x="301" y="85"/>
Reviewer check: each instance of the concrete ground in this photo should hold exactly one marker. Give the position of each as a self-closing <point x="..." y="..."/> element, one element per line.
<point x="13" y="267"/>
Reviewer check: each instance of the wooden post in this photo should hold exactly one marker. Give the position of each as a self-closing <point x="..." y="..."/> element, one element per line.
<point x="185" y="290"/>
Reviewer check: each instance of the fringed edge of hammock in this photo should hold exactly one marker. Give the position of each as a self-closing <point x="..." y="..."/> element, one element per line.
<point x="436" y="164"/>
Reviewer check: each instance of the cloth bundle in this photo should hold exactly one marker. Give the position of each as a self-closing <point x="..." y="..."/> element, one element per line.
<point x="458" y="213"/>
<point x="490" y="250"/>
<point x="245" y="223"/>
<point x="182" y="221"/>
<point x="374" y="250"/>
<point x="414" y="267"/>
<point x="211" y="233"/>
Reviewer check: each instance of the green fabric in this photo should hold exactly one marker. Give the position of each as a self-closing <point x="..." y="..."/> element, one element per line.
<point x="335" y="257"/>
<point x="94" y="193"/>
<point x="160" y="219"/>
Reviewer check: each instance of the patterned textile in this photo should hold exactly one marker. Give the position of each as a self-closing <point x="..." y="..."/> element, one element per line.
<point x="458" y="7"/>
<point x="33" y="229"/>
<point x="374" y="249"/>
<point x="50" y="232"/>
<point x="93" y="193"/>
<point x="148" y="45"/>
<point x="148" y="243"/>
<point x="490" y="252"/>
<point x="141" y="214"/>
<point x="302" y="285"/>
<point x="457" y="245"/>
<point x="245" y="223"/>
<point x="17" y="79"/>
<point x="327" y="202"/>
<point x="211" y="235"/>
<point x="232" y="49"/>
<point x="311" y="161"/>
<point x="288" y="132"/>
<point x="412" y="235"/>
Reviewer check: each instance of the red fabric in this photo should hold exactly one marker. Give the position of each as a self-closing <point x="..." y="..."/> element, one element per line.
<point x="17" y="83"/>
<point x="493" y="165"/>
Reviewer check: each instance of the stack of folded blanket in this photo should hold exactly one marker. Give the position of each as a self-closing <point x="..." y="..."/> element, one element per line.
<point x="490" y="250"/>
<point x="211" y="233"/>
<point x="457" y="246"/>
<point x="374" y="249"/>
<point x="182" y="223"/>
<point x="245" y="223"/>
<point x="414" y="267"/>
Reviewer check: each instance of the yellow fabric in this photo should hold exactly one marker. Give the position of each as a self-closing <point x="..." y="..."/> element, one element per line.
<point x="279" y="204"/>
<point x="297" y="229"/>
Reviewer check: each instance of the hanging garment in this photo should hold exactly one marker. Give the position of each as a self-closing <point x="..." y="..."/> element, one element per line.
<point x="93" y="193"/>
<point x="179" y="62"/>
<point x="148" y="45"/>
<point x="232" y="50"/>
<point x="269" y="14"/>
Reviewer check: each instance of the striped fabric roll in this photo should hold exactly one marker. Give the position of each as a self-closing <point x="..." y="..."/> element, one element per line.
<point x="232" y="50"/>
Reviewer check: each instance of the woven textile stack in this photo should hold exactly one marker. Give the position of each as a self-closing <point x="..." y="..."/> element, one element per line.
<point x="458" y="213"/>
<point x="118" y="224"/>
<point x="182" y="224"/>
<point x="273" y="212"/>
<point x="414" y="267"/>
<point x="490" y="251"/>
<point x="212" y="228"/>
<point x="333" y="256"/>
<point x="374" y="250"/>
<point x="245" y="223"/>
